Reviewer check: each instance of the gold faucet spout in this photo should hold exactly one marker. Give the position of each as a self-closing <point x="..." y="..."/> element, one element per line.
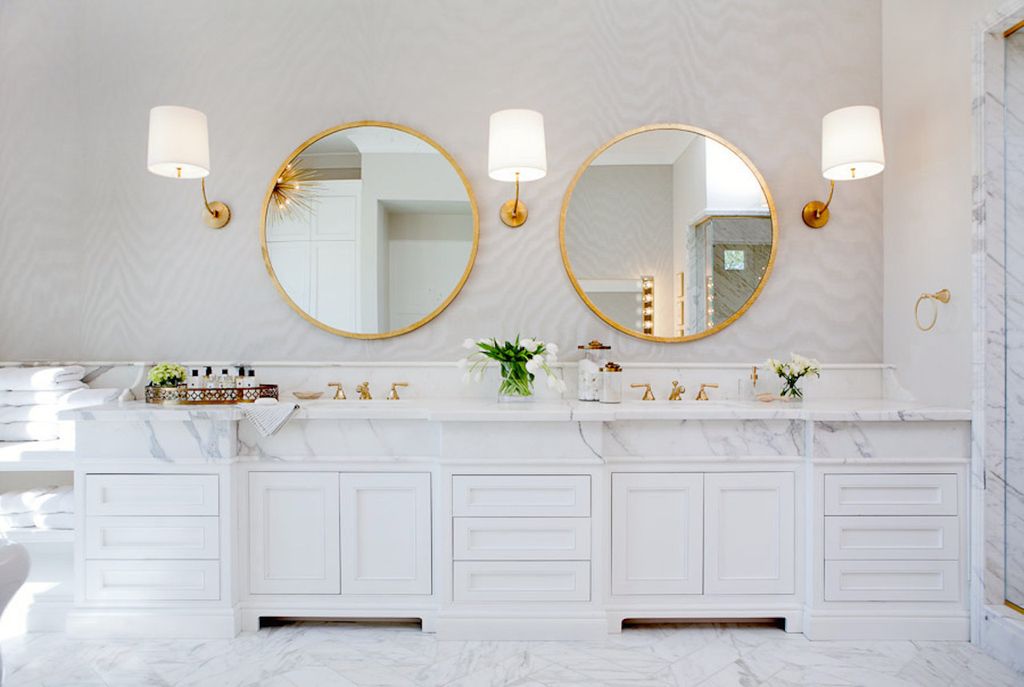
<point x="677" y="391"/>
<point x="364" y="392"/>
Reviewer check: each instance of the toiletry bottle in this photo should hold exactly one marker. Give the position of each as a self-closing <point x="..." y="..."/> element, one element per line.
<point x="251" y="380"/>
<point x="194" y="381"/>
<point x="224" y="380"/>
<point x="208" y="380"/>
<point x="239" y="378"/>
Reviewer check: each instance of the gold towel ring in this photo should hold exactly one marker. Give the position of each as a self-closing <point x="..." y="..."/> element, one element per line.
<point x="942" y="296"/>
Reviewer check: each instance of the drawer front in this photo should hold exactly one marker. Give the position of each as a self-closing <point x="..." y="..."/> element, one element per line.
<point x="522" y="581"/>
<point x="151" y="495"/>
<point x="892" y="494"/>
<point x="892" y="581"/>
<point x="484" y="539"/>
<point x="521" y="495"/>
<point x="152" y="580"/>
<point x="152" y="537"/>
<point x="892" y="538"/>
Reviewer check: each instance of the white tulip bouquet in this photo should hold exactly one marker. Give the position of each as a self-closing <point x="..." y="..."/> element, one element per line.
<point x="792" y="372"/>
<point x="521" y="361"/>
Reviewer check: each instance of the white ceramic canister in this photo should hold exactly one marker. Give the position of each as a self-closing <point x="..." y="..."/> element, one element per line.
<point x="588" y="380"/>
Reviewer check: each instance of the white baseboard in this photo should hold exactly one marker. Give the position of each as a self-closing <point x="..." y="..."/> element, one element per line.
<point x="856" y="627"/>
<point x="165" y="623"/>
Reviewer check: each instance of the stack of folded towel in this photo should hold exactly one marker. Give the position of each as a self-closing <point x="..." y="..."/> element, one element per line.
<point x="31" y="398"/>
<point x="44" y="508"/>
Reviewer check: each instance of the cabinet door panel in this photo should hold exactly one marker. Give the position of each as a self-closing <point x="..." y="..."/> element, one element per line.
<point x="293" y="533"/>
<point x="657" y="533"/>
<point x="385" y="533"/>
<point x="749" y="533"/>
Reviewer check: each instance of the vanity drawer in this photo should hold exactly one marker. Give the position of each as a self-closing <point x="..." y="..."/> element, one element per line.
<point x="152" y="537"/>
<point x="151" y="495"/>
<point x="152" y="580"/>
<point x="892" y="581"/>
<point x="521" y="538"/>
<point x="892" y="538"/>
<point x="522" y="581"/>
<point x="521" y="495"/>
<point x="890" y="494"/>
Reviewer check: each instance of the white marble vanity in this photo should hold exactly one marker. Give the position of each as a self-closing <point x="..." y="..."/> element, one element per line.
<point x="537" y="520"/>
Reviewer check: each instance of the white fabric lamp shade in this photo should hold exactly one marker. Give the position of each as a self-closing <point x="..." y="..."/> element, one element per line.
<point x="179" y="142"/>
<point x="516" y="144"/>
<point x="851" y="143"/>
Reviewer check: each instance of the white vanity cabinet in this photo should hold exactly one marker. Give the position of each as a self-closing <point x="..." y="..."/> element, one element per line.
<point x="703" y="533"/>
<point x="749" y="533"/>
<point x="657" y="533"/>
<point x="339" y="533"/>
<point x="542" y="521"/>
<point x="294" y="542"/>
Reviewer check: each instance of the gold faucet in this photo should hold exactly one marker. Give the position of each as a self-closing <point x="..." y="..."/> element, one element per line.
<point x="753" y="376"/>
<point x="364" y="392"/>
<point x="702" y="395"/>
<point x="339" y="391"/>
<point x="648" y="394"/>
<point x="677" y="392"/>
<point x="393" y="394"/>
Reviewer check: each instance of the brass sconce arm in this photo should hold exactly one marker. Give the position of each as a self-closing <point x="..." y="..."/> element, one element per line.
<point x="815" y="213"/>
<point x="513" y="213"/>
<point x="219" y="214"/>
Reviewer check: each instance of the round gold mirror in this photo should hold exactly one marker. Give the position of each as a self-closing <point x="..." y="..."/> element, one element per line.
<point x="369" y="230"/>
<point x="668" y="233"/>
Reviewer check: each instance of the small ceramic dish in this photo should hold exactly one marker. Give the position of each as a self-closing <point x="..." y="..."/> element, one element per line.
<point x="307" y="395"/>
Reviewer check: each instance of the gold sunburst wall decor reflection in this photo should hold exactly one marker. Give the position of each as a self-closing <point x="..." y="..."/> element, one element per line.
<point x="295" y="189"/>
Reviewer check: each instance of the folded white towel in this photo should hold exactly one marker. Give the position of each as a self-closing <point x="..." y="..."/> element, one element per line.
<point x="41" y="378"/>
<point x="29" y="431"/>
<point x="82" y="398"/>
<point x="42" y="521"/>
<point x="56" y="500"/>
<point x="268" y="418"/>
<point x="21" y="501"/>
<point x="79" y="397"/>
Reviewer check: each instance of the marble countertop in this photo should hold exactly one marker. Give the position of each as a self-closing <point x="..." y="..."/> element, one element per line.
<point x="472" y="410"/>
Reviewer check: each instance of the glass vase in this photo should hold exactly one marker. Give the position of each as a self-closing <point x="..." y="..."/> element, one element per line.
<point x="516" y="383"/>
<point x="790" y="391"/>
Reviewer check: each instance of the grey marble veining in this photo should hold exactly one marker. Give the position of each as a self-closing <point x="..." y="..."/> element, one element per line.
<point x="349" y="654"/>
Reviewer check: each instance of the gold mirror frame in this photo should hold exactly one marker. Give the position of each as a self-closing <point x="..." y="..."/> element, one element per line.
<point x="436" y="311"/>
<point x="771" y="208"/>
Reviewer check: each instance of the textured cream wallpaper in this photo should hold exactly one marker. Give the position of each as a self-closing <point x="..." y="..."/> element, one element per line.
<point x="101" y="260"/>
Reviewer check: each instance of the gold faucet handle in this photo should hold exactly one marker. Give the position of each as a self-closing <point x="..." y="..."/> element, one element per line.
<point x="677" y="391"/>
<point x="648" y="394"/>
<point x="393" y="394"/>
<point x="702" y="394"/>
<point x="339" y="391"/>
<point x="753" y="375"/>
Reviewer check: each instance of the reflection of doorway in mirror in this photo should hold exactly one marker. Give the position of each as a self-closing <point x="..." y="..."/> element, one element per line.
<point x="621" y="300"/>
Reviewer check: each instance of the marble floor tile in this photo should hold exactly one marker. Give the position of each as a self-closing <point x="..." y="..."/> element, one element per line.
<point x="354" y="655"/>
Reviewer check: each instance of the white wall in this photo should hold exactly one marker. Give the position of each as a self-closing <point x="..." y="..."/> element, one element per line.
<point x="926" y="108"/>
<point x="100" y="259"/>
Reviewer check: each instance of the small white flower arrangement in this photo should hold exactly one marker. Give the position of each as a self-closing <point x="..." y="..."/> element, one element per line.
<point x="167" y="375"/>
<point x="792" y="372"/>
<point x="521" y="361"/>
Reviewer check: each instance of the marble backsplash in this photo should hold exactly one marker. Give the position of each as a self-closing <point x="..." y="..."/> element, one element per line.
<point x="445" y="379"/>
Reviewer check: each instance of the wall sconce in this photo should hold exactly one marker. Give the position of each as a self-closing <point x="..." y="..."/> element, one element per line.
<point x="851" y="148"/>
<point x="647" y="303"/>
<point x="179" y="147"/>
<point x="516" y="152"/>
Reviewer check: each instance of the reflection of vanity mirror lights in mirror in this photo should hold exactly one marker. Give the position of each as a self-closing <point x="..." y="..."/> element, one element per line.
<point x="668" y="233"/>
<point x="369" y="230"/>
